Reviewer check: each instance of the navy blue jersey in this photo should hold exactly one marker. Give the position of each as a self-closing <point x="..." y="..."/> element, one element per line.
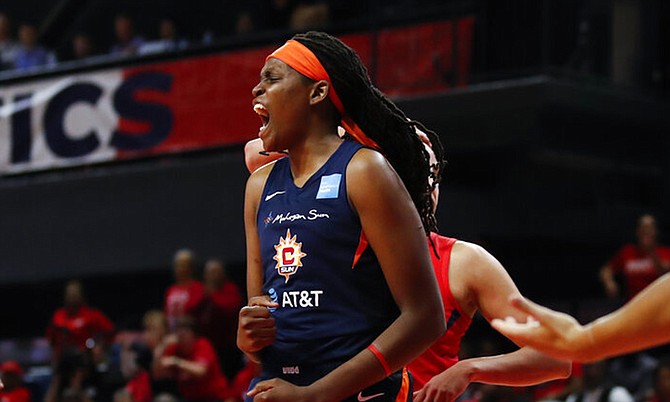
<point x="333" y="298"/>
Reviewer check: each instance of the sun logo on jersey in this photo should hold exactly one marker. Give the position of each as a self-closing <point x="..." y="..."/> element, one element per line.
<point x="289" y="255"/>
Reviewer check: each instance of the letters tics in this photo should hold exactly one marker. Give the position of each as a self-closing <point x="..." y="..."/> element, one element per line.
<point x="71" y="120"/>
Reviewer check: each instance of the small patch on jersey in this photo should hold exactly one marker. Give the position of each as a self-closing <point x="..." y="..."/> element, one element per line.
<point x="289" y="255"/>
<point x="329" y="187"/>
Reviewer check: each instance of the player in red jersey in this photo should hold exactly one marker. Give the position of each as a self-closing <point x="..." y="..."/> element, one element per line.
<point x="472" y="280"/>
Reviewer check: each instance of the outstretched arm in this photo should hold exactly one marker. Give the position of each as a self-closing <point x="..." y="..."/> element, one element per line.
<point x="641" y="323"/>
<point x="481" y="283"/>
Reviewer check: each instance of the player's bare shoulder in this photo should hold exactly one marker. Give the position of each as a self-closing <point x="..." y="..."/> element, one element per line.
<point x="474" y="261"/>
<point x="256" y="181"/>
<point x="367" y="161"/>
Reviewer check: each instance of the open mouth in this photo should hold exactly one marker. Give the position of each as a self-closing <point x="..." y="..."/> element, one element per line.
<point x="262" y="112"/>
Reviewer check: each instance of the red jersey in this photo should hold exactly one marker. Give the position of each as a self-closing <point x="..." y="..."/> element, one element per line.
<point x="213" y="385"/>
<point x="637" y="268"/>
<point x="19" y="394"/>
<point x="72" y="330"/>
<point x="218" y="316"/>
<point x="139" y="387"/>
<point x="181" y="300"/>
<point x="444" y="352"/>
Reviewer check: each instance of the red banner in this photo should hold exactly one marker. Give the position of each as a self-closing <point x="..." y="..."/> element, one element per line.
<point x="197" y="102"/>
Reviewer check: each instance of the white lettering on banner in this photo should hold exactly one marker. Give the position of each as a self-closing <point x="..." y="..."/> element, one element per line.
<point x="301" y="298"/>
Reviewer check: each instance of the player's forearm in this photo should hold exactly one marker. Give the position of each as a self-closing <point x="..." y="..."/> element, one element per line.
<point x="358" y="373"/>
<point x="523" y="367"/>
<point x="409" y="335"/>
<point x="401" y="342"/>
<point x="642" y="322"/>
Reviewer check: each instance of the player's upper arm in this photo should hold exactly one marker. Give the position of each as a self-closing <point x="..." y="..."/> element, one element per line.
<point x="392" y="226"/>
<point x="489" y="285"/>
<point x="252" y="195"/>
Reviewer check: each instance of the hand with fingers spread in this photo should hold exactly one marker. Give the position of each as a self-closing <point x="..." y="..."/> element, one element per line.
<point x="552" y="332"/>
<point x="256" y="327"/>
<point x="277" y="390"/>
<point x="641" y="323"/>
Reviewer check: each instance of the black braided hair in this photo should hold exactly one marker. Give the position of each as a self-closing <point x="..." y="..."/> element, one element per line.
<point x="381" y="120"/>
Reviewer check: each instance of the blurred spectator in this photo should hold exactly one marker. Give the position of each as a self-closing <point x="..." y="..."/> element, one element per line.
<point x="70" y="381"/>
<point x="640" y="264"/>
<point x="194" y="364"/>
<point x="245" y="23"/>
<point x="597" y="388"/>
<point x="310" y="16"/>
<point x="8" y="47"/>
<point x="75" y="325"/>
<point x="168" y="41"/>
<point x="156" y="339"/>
<point x="12" y="379"/>
<point x="218" y="316"/>
<point x="634" y="371"/>
<point x="662" y="381"/>
<point x="30" y="54"/>
<point x="275" y="14"/>
<point x="155" y="335"/>
<point x="139" y="358"/>
<point x="240" y="384"/>
<point x="186" y="295"/>
<point x="82" y="46"/>
<point x="558" y="390"/>
<point x="127" y="43"/>
<point x="135" y="366"/>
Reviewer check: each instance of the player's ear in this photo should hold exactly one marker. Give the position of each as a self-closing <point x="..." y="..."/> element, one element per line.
<point x="319" y="92"/>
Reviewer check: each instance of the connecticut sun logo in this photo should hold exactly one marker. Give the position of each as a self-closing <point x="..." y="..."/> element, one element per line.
<point x="289" y="255"/>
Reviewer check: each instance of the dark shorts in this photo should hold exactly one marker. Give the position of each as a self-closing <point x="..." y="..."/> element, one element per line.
<point x="398" y="387"/>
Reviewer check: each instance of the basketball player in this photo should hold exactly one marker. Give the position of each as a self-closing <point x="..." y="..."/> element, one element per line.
<point x="336" y="234"/>
<point x="470" y="279"/>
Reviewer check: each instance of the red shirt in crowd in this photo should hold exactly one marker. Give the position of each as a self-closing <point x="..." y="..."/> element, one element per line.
<point x="183" y="299"/>
<point x="218" y="316"/>
<point x="213" y="385"/>
<point x="637" y="268"/>
<point x="19" y="394"/>
<point x="73" y="330"/>
<point x="139" y="387"/>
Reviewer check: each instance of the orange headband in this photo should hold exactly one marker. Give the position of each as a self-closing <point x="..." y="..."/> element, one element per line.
<point x="301" y="59"/>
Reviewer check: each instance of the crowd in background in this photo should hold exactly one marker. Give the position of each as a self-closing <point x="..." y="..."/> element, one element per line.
<point x="187" y="351"/>
<point x="21" y="49"/>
